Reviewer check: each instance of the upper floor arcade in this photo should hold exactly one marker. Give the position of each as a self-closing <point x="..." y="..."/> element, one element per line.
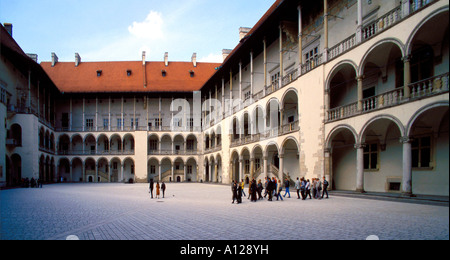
<point x="268" y="58"/>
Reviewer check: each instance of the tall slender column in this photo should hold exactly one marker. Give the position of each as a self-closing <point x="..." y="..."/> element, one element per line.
<point x="265" y="65"/>
<point x="109" y="114"/>
<point x="122" y="116"/>
<point x="281" y="170"/>
<point x="265" y="166"/>
<point x="223" y="96"/>
<point x="240" y="84"/>
<point x="300" y="39"/>
<point x="359" y="22"/>
<point x="407" y="166"/>
<point x="360" y="93"/>
<point x="251" y="74"/>
<point x="121" y="172"/>
<point x="70" y="115"/>
<point x="406" y="77"/>
<point x="359" y="167"/>
<point x="241" y="170"/>
<point x="96" y="114"/>
<point x="71" y="172"/>
<point x="325" y="29"/>
<point x="160" y="173"/>
<point x="281" y="56"/>
<point x="185" y="173"/>
<point x="96" y="172"/>
<point x="84" y="114"/>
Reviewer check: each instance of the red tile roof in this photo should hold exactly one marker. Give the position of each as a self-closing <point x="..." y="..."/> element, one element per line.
<point x="114" y="78"/>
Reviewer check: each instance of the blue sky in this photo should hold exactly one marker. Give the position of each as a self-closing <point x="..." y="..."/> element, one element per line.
<point x="113" y="30"/>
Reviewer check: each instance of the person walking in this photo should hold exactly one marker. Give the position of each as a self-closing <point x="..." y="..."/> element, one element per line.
<point x="286" y="185"/>
<point x="270" y="188"/>
<point x="259" y="189"/>
<point x="318" y="187"/>
<point x="266" y="185"/>
<point x="157" y="189"/>
<point x="297" y="187"/>
<point x="308" y="189"/>
<point x="279" y="190"/>
<point x="303" y="188"/>
<point x="325" y="187"/>
<point x="253" y="190"/>
<point x="163" y="188"/>
<point x="239" y="193"/>
<point x="234" y="191"/>
<point x="152" y="184"/>
<point x="242" y="188"/>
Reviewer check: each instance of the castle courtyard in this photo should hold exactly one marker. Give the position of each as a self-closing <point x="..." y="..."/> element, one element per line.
<point x="205" y="212"/>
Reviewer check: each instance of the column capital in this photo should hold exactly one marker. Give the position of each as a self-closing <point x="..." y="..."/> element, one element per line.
<point x="406" y="58"/>
<point x="405" y="139"/>
<point x="360" y="146"/>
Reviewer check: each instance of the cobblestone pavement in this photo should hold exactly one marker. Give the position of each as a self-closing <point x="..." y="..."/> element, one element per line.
<point x="205" y="212"/>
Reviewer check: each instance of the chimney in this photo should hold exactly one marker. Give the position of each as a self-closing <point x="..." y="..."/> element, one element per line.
<point x="225" y="53"/>
<point x="143" y="58"/>
<point x="144" y="69"/>
<point x="9" y="28"/>
<point x="243" y="31"/>
<point x="166" y="59"/>
<point x="54" y="59"/>
<point x="194" y="59"/>
<point x="77" y="59"/>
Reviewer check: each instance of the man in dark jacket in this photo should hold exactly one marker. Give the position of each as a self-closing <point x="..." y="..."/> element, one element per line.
<point x="324" y="187"/>
<point x="151" y="187"/>
<point x="234" y="191"/>
<point x="270" y="188"/>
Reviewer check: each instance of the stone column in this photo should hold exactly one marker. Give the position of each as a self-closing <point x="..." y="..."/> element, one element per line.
<point x="265" y="166"/>
<point x="360" y="93"/>
<point x="241" y="171"/>
<point x="160" y="173"/>
<point x="407" y="166"/>
<point x="327" y="166"/>
<point x="300" y="40"/>
<point x="359" y="167"/>
<point x="360" y="23"/>
<point x="96" y="172"/>
<point x="325" y="29"/>
<point x="281" y="170"/>
<point x="406" y="77"/>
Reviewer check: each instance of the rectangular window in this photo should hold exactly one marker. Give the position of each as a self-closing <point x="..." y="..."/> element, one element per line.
<point x="89" y="124"/>
<point x="275" y="78"/>
<point x="153" y="145"/>
<point x="152" y="169"/>
<point x="189" y="169"/>
<point x="247" y="166"/>
<point x="105" y="123"/>
<point x="421" y="152"/>
<point x="257" y="163"/>
<point x="119" y="123"/>
<point x="371" y="156"/>
<point x="247" y="95"/>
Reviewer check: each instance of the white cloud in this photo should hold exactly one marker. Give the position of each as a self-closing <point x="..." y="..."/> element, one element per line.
<point x="151" y="28"/>
<point x="212" y="57"/>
